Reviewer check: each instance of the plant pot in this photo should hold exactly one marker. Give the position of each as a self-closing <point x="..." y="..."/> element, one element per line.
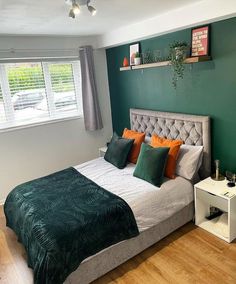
<point x="137" y="61"/>
<point x="180" y="52"/>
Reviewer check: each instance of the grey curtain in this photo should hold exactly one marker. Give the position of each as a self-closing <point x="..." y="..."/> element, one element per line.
<point x="92" y="114"/>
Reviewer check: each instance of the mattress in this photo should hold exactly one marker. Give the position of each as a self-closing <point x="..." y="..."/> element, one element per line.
<point x="150" y="204"/>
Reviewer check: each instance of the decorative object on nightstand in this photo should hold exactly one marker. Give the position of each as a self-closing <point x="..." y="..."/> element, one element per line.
<point x="215" y="208"/>
<point x="217" y="176"/>
<point x="102" y="151"/>
<point x="231" y="179"/>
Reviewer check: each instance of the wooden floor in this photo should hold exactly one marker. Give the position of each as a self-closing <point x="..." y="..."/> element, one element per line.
<point x="189" y="255"/>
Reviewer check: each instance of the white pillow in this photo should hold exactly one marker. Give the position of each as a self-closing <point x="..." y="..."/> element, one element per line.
<point x="147" y="139"/>
<point x="189" y="161"/>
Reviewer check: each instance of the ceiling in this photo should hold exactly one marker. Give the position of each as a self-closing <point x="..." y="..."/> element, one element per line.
<point x="50" y="17"/>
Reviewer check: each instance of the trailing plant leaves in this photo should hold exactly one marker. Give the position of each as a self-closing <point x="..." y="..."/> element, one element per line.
<point x="177" y="55"/>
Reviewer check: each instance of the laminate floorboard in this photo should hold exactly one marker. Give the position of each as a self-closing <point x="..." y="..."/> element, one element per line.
<point x="190" y="255"/>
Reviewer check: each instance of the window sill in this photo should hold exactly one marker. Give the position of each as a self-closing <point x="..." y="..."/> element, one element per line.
<point x="39" y="123"/>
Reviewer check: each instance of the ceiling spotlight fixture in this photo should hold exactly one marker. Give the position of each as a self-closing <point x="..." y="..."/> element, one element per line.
<point x="71" y="13"/>
<point x="91" y="9"/>
<point x="75" y="7"/>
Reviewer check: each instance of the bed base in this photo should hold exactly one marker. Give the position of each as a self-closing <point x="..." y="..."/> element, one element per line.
<point x="108" y="259"/>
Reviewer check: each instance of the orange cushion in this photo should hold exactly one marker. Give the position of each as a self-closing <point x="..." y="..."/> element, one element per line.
<point x="138" y="140"/>
<point x="174" y="145"/>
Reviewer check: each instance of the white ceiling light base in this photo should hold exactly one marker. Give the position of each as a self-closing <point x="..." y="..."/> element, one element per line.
<point x="80" y="2"/>
<point x="75" y="7"/>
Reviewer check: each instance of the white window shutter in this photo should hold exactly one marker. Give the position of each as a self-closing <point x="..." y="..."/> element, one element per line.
<point x="34" y="92"/>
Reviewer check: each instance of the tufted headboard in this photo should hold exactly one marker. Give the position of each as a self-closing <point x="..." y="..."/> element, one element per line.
<point x="192" y="129"/>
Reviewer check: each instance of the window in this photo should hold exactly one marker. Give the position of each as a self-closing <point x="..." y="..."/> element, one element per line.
<point x="2" y="112"/>
<point x="34" y="92"/>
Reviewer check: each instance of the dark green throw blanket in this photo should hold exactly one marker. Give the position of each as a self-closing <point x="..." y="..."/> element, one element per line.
<point x="63" y="218"/>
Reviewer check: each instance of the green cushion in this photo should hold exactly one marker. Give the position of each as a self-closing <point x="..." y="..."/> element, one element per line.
<point x="118" y="151"/>
<point x="151" y="164"/>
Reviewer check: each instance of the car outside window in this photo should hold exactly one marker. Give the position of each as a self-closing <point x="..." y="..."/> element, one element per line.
<point x="34" y="92"/>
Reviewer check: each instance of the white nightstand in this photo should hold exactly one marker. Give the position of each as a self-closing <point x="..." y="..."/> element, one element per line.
<point x="102" y="151"/>
<point x="209" y="193"/>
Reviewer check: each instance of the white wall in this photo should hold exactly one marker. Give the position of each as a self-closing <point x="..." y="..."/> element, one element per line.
<point x="36" y="151"/>
<point x="30" y="46"/>
<point x="197" y="13"/>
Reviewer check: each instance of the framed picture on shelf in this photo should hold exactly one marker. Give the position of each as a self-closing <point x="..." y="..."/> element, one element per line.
<point x="133" y="49"/>
<point x="201" y="41"/>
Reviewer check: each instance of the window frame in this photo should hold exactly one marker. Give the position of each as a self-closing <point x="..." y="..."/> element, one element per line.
<point x="51" y="118"/>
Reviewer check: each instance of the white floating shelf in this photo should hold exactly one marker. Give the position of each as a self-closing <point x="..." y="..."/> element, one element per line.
<point x="189" y="60"/>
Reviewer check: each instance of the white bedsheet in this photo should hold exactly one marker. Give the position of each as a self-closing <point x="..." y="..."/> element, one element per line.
<point x="150" y="204"/>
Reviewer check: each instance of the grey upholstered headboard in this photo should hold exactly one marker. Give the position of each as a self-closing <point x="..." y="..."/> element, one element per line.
<point x="192" y="129"/>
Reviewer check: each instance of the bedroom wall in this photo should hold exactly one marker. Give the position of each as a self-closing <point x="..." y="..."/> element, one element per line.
<point x="193" y="14"/>
<point x="36" y="151"/>
<point x="208" y="88"/>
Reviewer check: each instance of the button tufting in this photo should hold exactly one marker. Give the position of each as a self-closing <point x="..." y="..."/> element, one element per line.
<point x="189" y="132"/>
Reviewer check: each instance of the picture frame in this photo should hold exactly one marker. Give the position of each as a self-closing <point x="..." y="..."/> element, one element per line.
<point x="133" y="49"/>
<point x="200" y="41"/>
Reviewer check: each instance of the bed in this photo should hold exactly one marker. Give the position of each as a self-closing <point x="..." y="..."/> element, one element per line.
<point x="158" y="212"/>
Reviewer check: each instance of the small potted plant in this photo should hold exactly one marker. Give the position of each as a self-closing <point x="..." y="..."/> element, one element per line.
<point x="137" y="59"/>
<point x="178" y="53"/>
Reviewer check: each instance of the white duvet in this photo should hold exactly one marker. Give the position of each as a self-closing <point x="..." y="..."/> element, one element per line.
<point x="150" y="204"/>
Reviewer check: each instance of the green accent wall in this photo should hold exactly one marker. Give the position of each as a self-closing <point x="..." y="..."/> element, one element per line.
<point x="208" y="88"/>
